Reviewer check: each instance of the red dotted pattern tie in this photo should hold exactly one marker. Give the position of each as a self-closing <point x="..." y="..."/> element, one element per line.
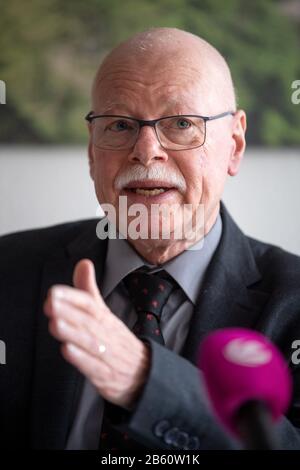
<point x="149" y="293"/>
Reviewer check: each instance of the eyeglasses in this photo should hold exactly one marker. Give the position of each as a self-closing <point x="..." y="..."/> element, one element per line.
<point x="182" y="132"/>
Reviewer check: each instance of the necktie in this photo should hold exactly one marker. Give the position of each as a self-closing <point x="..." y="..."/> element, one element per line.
<point x="149" y="293"/>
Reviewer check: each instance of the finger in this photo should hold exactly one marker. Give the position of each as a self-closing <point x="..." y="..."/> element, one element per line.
<point x="88" y="365"/>
<point x="72" y="315"/>
<point x="68" y="295"/>
<point x="67" y="333"/>
<point x="84" y="278"/>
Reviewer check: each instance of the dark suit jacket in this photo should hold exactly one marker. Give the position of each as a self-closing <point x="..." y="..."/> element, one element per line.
<point x="248" y="284"/>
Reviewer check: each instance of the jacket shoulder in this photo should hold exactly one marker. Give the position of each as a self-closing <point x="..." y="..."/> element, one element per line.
<point x="37" y="242"/>
<point x="276" y="265"/>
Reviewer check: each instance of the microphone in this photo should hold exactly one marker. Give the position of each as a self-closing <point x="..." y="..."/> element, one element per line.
<point x="248" y="383"/>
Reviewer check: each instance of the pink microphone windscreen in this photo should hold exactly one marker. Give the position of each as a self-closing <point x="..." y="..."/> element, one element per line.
<point x="240" y="365"/>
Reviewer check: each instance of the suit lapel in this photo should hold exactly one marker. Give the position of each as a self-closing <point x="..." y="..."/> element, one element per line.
<point x="226" y="299"/>
<point x="57" y="384"/>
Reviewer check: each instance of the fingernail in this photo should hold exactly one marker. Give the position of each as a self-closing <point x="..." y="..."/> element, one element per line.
<point x="58" y="293"/>
<point x="73" y="349"/>
<point x="61" y="324"/>
<point x="56" y="303"/>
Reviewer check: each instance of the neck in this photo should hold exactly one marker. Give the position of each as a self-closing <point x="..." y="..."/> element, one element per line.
<point x="158" y="252"/>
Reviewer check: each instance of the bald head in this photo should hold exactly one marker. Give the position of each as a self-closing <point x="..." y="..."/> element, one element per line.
<point x="172" y="50"/>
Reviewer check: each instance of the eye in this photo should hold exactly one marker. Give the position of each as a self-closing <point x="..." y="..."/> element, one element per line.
<point x="183" y="123"/>
<point x="119" y="126"/>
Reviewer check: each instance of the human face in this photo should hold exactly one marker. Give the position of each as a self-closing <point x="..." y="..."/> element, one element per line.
<point x="131" y="90"/>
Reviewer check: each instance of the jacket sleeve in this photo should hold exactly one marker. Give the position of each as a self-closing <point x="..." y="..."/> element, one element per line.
<point x="173" y="411"/>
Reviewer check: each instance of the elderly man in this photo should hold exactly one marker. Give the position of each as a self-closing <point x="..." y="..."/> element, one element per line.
<point x="89" y="364"/>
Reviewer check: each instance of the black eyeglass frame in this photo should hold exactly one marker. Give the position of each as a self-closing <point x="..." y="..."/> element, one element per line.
<point x="152" y="123"/>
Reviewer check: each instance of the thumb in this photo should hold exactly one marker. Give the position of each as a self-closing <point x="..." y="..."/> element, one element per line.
<point x="84" y="278"/>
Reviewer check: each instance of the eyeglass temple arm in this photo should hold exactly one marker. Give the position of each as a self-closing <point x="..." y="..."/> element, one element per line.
<point x="218" y="116"/>
<point x="89" y="116"/>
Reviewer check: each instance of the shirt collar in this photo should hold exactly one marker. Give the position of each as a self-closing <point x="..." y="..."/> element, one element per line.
<point x="188" y="268"/>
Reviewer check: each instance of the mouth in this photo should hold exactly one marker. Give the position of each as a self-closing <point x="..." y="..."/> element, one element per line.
<point x="149" y="188"/>
<point x="148" y="192"/>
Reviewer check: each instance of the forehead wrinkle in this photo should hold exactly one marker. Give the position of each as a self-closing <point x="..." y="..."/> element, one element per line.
<point x="129" y="83"/>
<point x="187" y="70"/>
<point x="166" y="99"/>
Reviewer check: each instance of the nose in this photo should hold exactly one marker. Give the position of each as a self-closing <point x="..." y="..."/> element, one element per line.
<point x="147" y="148"/>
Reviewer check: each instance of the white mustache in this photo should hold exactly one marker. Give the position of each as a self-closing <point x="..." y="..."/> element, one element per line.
<point x="154" y="172"/>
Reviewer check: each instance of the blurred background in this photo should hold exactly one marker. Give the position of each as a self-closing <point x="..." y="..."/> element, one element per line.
<point x="49" y="52"/>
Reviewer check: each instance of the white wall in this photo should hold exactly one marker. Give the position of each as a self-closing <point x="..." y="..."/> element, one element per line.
<point x="41" y="186"/>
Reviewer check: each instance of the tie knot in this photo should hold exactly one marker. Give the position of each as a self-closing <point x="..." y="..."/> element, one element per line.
<point x="148" y="292"/>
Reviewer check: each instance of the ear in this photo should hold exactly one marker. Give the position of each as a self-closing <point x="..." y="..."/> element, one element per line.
<point x="239" y="126"/>
<point x="91" y="155"/>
